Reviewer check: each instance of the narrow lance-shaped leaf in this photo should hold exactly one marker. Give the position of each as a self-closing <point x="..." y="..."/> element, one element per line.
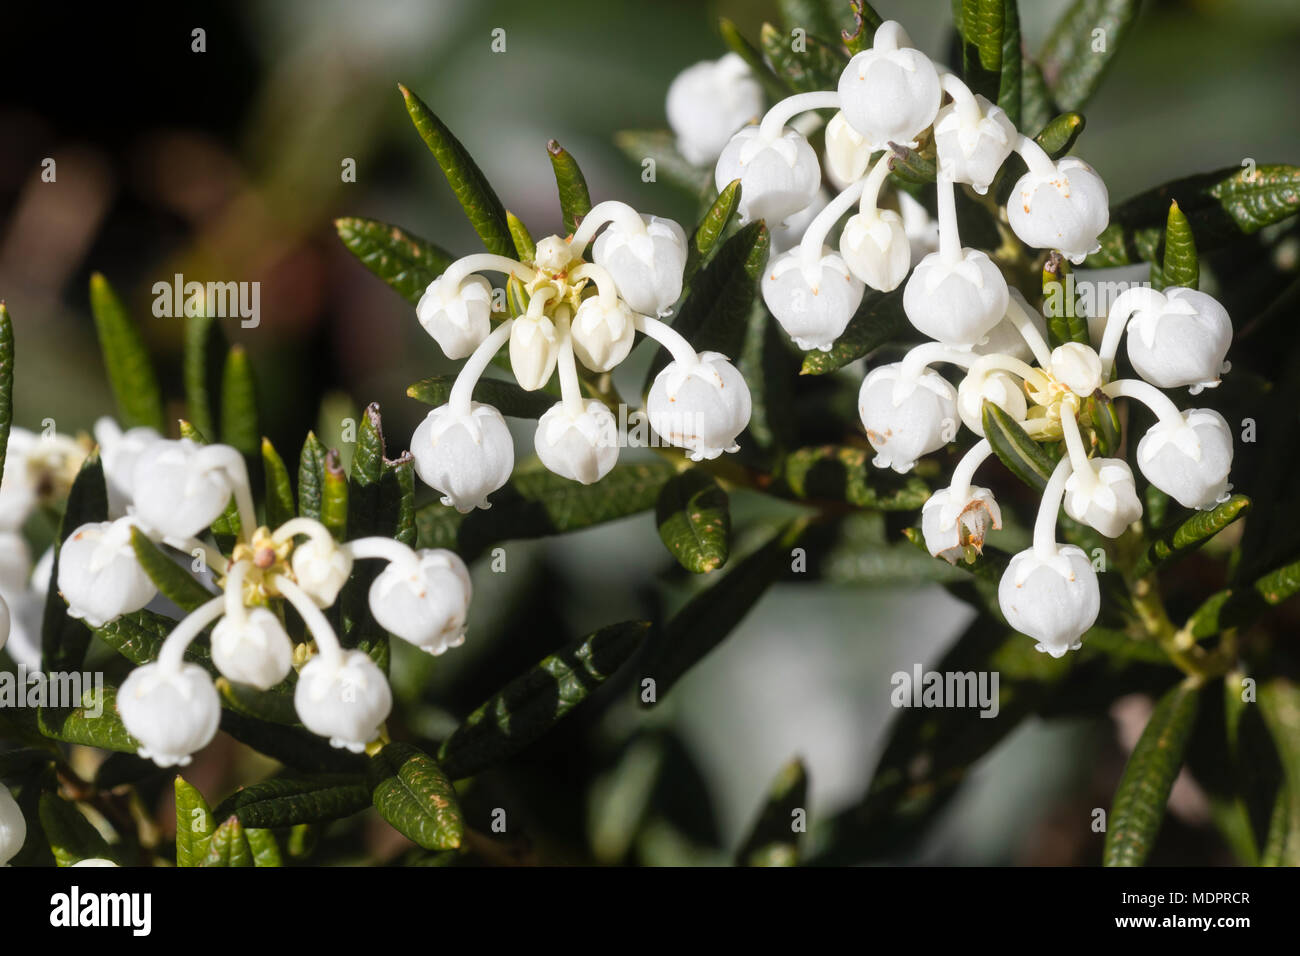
<point x="194" y="824"/>
<point x="201" y="334"/>
<point x="311" y="477"/>
<point x="525" y="248"/>
<point x="1235" y="606"/>
<point x="711" y="228"/>
<point x="130" y="373"/>
<point x="982" y="26"/>
<point x="1180" y="266"/>
<point x="694" y="521"/>
<point x="174" y="581"/>
<point x="264" y="847"/>
<point x="239" y="403"/>
<point x="334" y="496"/>
<point x="413" y="794"/>
<point x="1081" y="46"/>
<point x="575" y="201"/>
<point x="486" y="213"/>
<point x="403" y="260"/>
<point x="506" y="397"/>
<point x="229" y="846"/>
<point x="1024" y="457"/>
<point x="1058" y="136"/>
<point x="286" y="802"/>
<point x="1172" y="544"/>
<point x="1139" y="805"/>
<point x="1009" y="84"/>
<point x="1064" y="321"/>
<point x="279" y="489"/>
<point x="774" y="840"/>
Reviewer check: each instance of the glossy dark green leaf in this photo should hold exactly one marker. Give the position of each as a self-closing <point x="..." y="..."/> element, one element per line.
<point x="1139" y="805"/>
<point x="507" y="397"/>
<point x="228" y="846"/>
<point x="405" y="261"/>
<point x="477" y="198"/>
<point x="64" y="639"/>
<point x="575" y="200"/>
<point x="287" y="802"/>
<point x="194" y="824"/>
<point x="279" y="488"/>
<point x="531" y="704"/>
<point x="774" y="839"/>
<point x="694" y="520"/>
<point x="1172" y="544"/>
<point x="139" y="638"/>
<point x="413" y="794"/>
<point x="130" y="373"/>
<point x="879" y="319"/>
<point x="6" y="381"/>
<point x="311" y="477"/>
<point x="711" y="228"/>
<point x="171" y="579"/>
<point x="844" y="473"/>
<point x="1011" y="78"/>
<point x="982" y="25"/>
<point x="1024" y="457"/>
<point x="94" y="722"/>
<point x="1081" y="46"/>
<point x="1180" y="266"/>
<point x="239" y="403"/>
<point x="71" y="836"/>
<point x="655" y="153"/>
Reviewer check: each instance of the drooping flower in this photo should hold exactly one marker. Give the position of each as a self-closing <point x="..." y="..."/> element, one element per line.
<point x="99" y="574"/>
<point x="424" y="601"/>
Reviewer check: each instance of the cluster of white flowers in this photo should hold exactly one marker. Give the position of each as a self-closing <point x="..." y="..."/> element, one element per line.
<point x="575" y="311"/>
<point x="888" y="96"/>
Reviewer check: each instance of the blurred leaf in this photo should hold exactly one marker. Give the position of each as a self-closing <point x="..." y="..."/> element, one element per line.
<point x="71" y="836"/>
<point x="239" y="403"/>
<point x="773" y="841"/>
<point x="64" y="639"/>
<point x="879" y="319"/>
<point x="1075" y="56"/>
<point x="279" y="489"/>
<point x="95" y="722"/>
<point x="711" y="228"/>
<point x="575" y="201"/>
<point x="480" y="202"/>
<point x="1172" y="544"/>
<point x="531" y="704"/>
<point x="413" y="794"/>
<point x="130" y="373"/>
<point x="265" y="849"/>
<point x="229" y="846"/>
<point x="525" y="248"/>
<point x="817" y="66"/>
<point x="200" y="334"/>
<point x="694" y="521"/>
<point x="818" y="17"/>
<point x="311" y="477"/>
<point x="334" y="496"/>
<point x="172" y="580"/>
<point x="1024" y="457"/>
<point x="194" y="824"/>
<point x="1279" y="703"/>
<point x="1139" y="805"/>
<point x="405" y="261"/>
<point x="776" y="87"/>
<point x="507" y="397"/>
<point x="1179" y="267"/>
<point x="843" y="473"/>
<point x="6" y="381"/>
<point x="287" y="801"/>
<point x="661" y="147"/>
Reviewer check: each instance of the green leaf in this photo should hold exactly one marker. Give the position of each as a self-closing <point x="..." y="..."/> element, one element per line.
<point x="843" y="473"/>
<point x="194" y="824"/>
<point x="311" y="477"/>
<point x="1075" y="55"/>
<point x="1059" y="136"/>
<point x="711" y="228"/>
<point x="71" y="836"/>
<point x="1036" y="106"/>
<point x="94" y="722"/>
<point x="1221" y="207"/>
<point x="776" y="87"/>
<point x="1099" y="413"/>
<point x="694" y="521"/>
<point x="575" y="201"/>
<point x="239" y="402"/>
<point x="507" y="397"/>
<point x="64" y="639"/>
<point x="1064" y="322"/>
<point x="817" y="66"/>
<point x="525" y="248"/>
<point x="170" y="578"/>
<point x="531" y="704"/>
<point x="912" y="166"/>
<point x="139" y="637"/>
<point x="200" y="333"/>
<point x="817" y="17"/>
<point x="403" y="260"/>
<point x="279" y="489"/>
<point x="773" y="841"/>
<point x="1011" y="80"/>
<point x="982" y="25"/>
<point x="660" y="146"/>
<point x="287" y="801"/>
<point x="1279" y="704"/>
<point x="1172" y="544"/>
<point x="1235" y="606"/>
<point x="1024" y="457"/>
<point x="1139" y="805"/>
<point x="480" y="202"/>
<point x="274" y="706"/>
<point x="412" y="793"/>
<point x="130" y="373"/>
<point x="229" y="846"/>
<point x="1180" y="266"/>
<point x="334" y="496"/>
<point x="265" y="849"/>
<point x="6" y="381"/>
<point x="879" y="319"/>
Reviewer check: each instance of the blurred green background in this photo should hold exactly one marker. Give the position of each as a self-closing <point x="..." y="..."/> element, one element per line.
<point x="225" y="165"/>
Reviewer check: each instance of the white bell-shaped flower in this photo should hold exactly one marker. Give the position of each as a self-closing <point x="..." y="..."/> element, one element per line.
<point x="702" y="407"/>
<point x="1183" y="343"/>
<point x="457" y="317"/>
<point x="173" y="712"/>
<point x="972" y="150"/>
<point x="1107" y="502"/>
<point x="534" y="350"/>
<point x="647" y="265"/>
<point x="579" y="445"/>
<point x="890" y="93"/>
<point x="177" y="492"/>
<point x="1001" y="388"/>
<point x="13" y="828"/>
<point x="813" y="302"/>
<point x="778" y="177"/>
<point x="425" y="601"/>
<point x="906" y="417"/>
<point x="1053" y="600"/>
<point x="951" y="524"/>
<point x="466" y="457"/>
<point x="1066" y="209"/>
<point x="957" y="303"/>
<point x="847" y="152"/>
<point x="1190" y="464"/>
<point x="321" y="568"/>
<point x="118" y="452"/>
<point x="709" y="101"/>
<point x="602" y="333"/>
<point x="99" y="575"/>
<point x="343" y="696"/>
<point x="255" y="651"/>
<point x="876" y="249"/>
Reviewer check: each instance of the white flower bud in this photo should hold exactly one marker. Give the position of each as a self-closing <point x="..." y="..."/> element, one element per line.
<point x="582" y="447"/>
<point x="118" y="452"/>
<point x="1190" y="464"/>
<point x="812" y="303"/>
<point x="973" y="152"/>
<point x="553" y="254"/>
<point x="957" y="304"/>
<point x="1107" y="502"/>
<point x="466" y="457"/>
<point x="1077" y="367"/>
<point x="1183" y="343"/>
<point x="876" y="249"/>
<point x="424" y="602"/>
<point x="647" y="266"/>
<point x="708" y="102"/>
<point x="950" y="525"/>
<point x="175" y="493"/>
<point x="343" y="697"/>
<point x="321" y="568"/>
<point x="172" y="712"/>
<point x="1066" y="210"/>
<point x="890" y="93"/>
<point x="13" y="828"/>
<point x="255" y="651"/>
<point x="702" y="407"/>
<point x="906" y="418"/>
<point x="534" y="350"/>
<point x="1001" y="388"/>
<point x="1055" y="600"/>
<point x="1005" y="339"/>
<point x="457" y="318"/>
<point x="847" y="152"/>
<point x="602" y="336"/>
<point x="99" y="575"/>
<point x="778" y="178"/>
